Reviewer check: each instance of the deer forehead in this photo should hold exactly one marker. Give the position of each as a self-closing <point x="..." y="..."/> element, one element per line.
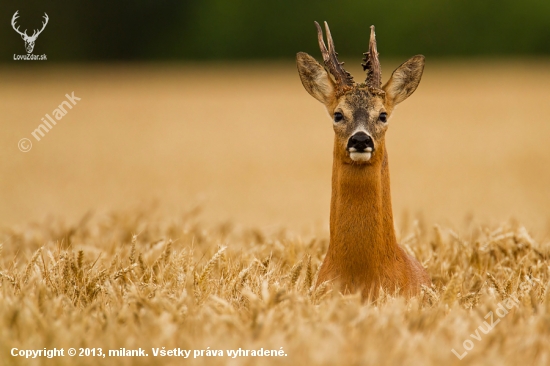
<point x="361" y="104"/>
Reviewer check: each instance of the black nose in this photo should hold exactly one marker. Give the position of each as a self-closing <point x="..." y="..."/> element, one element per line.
<point x="360" y="141"/>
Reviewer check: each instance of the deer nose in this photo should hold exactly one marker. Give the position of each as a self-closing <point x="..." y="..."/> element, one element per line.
<point x="360" y="142"/>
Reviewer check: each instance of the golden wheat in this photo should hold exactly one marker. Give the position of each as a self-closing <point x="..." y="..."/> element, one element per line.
<point x="182" y="283"/>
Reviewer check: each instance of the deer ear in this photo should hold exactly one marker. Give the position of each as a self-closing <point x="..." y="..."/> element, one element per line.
<point x="314" y="78"/>
<point x="404" y="80"/>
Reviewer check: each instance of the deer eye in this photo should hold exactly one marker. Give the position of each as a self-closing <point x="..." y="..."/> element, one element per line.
<point x="383" y="117"/>
<point x="338" y="117"/>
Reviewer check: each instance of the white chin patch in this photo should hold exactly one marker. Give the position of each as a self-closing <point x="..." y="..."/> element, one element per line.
<point x="360" y="156"/>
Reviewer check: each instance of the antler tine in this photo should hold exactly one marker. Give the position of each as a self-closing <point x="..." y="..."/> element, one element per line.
<point x="13" y="19"/>
<point x="342" y="77"/>
<point x="372" y="63"/>
<point x="43" y="24"/>
<point x="331" y="49"/>
<point x="322" y="45"/>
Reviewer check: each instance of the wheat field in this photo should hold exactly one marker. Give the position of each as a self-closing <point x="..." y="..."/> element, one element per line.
<point x="187" y="207"/>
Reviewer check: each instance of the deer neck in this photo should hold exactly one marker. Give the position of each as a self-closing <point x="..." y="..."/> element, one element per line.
<point x="362" y="238"/>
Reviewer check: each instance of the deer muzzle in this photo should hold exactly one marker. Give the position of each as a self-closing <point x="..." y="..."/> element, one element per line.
<point x="360" y="147"/>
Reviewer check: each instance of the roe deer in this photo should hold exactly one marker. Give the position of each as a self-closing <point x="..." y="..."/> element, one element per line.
<point x="363" y="253"/>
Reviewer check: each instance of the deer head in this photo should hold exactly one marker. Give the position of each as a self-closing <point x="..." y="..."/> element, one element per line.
<point x="360" y="111"/>
<point x="29" y="41"/>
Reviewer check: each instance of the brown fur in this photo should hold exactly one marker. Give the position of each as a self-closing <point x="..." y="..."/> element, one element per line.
<point x="363" y="253"/>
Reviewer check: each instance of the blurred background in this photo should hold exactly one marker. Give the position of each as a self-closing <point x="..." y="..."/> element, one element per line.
<point x="199" y="103"/>
<point x="144" y="30"/>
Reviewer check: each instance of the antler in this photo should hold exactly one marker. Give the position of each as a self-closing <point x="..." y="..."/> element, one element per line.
<point x="15" y="16"/>
<point x="343" y="79"/>
<point x="35" y="34"/>
<point x="372" y="64"/>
